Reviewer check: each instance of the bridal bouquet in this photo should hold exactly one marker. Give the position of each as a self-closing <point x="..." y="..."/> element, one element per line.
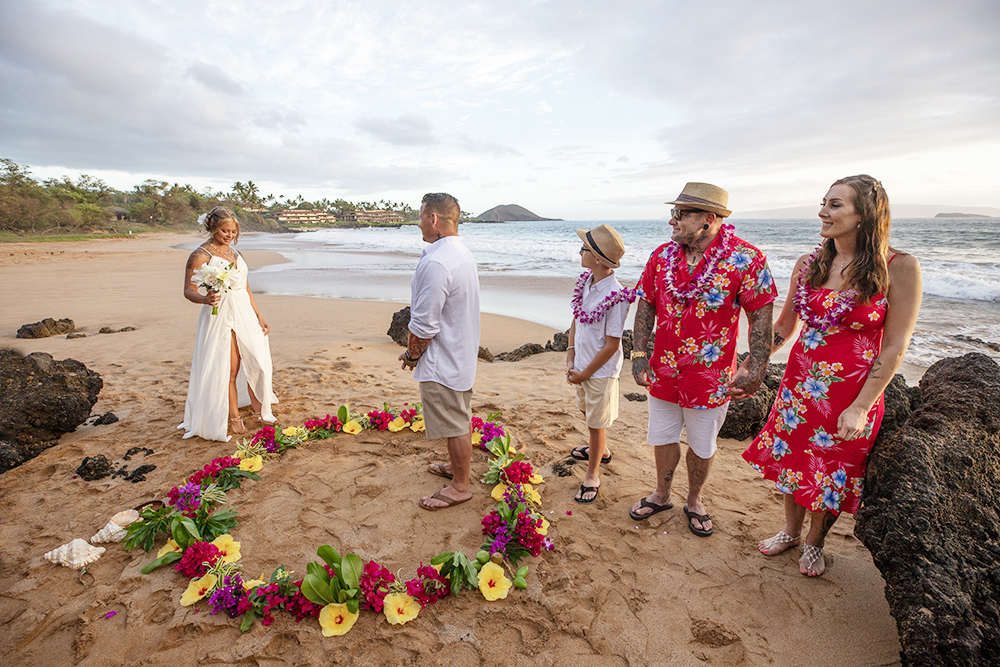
<point x="214" y="277"/>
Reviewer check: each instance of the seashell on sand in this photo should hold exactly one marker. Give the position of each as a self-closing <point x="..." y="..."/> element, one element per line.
<point x="115" y="530"/>
<point x="76" y="554"/>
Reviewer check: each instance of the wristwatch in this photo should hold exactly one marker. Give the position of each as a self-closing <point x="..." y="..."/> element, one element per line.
<point x="636" y="354"/>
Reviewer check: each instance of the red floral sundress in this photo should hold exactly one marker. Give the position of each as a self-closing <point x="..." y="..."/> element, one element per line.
<point x="826" y="369"/>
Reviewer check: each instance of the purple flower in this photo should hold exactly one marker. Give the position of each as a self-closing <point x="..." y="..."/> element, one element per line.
<point x="227" y="597"/>
<point x="110" y="614"/>
<point x="186" y="498"/>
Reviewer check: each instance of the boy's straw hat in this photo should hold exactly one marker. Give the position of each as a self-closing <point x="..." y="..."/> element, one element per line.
<point x="606" y="243"/>
<point x="705" y="197"/>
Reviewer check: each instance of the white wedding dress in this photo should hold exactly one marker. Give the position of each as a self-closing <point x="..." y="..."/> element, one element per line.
<point x="206" y="413"/>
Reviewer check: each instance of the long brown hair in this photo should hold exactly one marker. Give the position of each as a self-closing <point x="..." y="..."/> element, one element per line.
<point x="868" y="273"/>
<point x="217" y="217"/>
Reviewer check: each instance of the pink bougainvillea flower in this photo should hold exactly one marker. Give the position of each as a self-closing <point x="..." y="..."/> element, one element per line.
<point x="492" y="582"/>
<point x="397" y="424"/>
<point x="228" y="548"/>
<point x="352" y="427"/>
<point x="197" y="589"/>
<point x="498" y="491"/>
<point x="168" y="547"/>
<point x="110" y="614"/>
<point x="336" y="620"/>
<point x="400" y="608"/>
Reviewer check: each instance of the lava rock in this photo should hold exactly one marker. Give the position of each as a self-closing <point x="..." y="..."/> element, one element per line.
<point x="520" y="353"/>
<point x="745" y="418"/>
<point x="47" y="327"/>
<point x="94" y="468"/>
<point x="931" y="516"/>
<point x="559" y="342"/>
<point x="105" y="419"/>
<point x="636" y="396"/>
<point x="76" y="335"/>
<point x="40" y="399"/>
<point x="485" y="354"/>
<point x="399" y="329"/>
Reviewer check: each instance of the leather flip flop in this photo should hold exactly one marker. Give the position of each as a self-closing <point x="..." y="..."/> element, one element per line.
<point x="587" y="489"/>
<point x="451" y="502"/>
<point x="656" y="509"/>
<point x="700" y="532"/>
<point x="439" y="470"/>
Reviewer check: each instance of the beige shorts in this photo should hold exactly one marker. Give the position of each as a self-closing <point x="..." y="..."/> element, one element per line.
<point x="598" y="399"/>
<point x="447" y="413"/>
<point x="666" y="420"/>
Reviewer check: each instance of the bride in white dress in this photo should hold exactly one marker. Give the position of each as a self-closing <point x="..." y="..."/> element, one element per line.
<point x="232" y="357"/>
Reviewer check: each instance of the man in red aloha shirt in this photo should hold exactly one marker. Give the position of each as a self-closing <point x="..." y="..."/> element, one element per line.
<point x="693" y="288"/>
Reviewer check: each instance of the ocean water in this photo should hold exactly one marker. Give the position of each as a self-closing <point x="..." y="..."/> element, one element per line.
<point x="527" y="269"/>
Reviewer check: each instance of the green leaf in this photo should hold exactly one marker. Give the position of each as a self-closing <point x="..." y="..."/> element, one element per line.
<point x="248" y="618"/>
<point x="344" y="413"/>
<point x="165" y="559"/>
<point x="351" y="570"/>
<point x="316" y="590"/>
<point x="352" y="606"/>
<point x="316" y="569"/>
<point x="330" y="555"/>
<point x="441" y="558"/>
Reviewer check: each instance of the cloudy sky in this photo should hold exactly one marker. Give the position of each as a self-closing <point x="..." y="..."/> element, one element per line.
<point x="576" y="109"/>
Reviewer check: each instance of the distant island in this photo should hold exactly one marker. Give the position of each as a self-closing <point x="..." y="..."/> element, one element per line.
<point x="508" y="213"/>
<point x="961" y="215"/>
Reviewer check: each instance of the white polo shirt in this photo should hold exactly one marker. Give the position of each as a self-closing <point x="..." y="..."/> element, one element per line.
<point x="444" y="306"/>
<point x="591" y="338"/>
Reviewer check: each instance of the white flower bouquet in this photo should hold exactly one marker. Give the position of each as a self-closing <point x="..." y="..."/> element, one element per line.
<point x="215" y="277"/>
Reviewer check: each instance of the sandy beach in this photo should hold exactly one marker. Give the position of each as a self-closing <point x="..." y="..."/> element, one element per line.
<point x="611" y="592"/>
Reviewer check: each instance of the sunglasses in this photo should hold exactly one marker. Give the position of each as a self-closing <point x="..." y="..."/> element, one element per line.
<point x="585" y="249"/>
<point x="678" y="214"/>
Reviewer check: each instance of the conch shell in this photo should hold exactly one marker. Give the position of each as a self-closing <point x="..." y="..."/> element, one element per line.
<point x="115" y="530"/>
<point x="76" y="554"/>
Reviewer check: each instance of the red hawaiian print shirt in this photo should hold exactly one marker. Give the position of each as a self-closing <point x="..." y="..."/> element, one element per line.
<point x="694" y="355"/>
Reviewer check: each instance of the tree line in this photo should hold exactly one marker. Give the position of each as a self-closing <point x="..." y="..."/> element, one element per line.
<point x="58" y="205"/>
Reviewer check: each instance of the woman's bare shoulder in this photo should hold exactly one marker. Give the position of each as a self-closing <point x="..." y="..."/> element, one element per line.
<point x="198" y="257"/>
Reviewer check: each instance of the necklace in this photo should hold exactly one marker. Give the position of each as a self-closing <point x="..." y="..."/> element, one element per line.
<point x="597" y="314"/>
<point x="845" y="300"/>
<point x="221" y="252"/>
<point x="700" y="282"/>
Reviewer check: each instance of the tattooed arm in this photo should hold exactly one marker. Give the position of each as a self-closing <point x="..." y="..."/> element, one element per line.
<point x="197" y="260"/>
<point x="414" y="348"/>
<point x="904" y="294"/>
<point x="751" y="372"/>
<point x="645" y="316"/>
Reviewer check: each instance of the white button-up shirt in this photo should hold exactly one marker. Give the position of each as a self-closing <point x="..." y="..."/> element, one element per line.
<point x="444" y="306"/>
<point x="591" y="338"/>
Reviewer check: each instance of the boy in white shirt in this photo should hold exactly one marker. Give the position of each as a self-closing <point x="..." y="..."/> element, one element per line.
<point x="594" y="356"/>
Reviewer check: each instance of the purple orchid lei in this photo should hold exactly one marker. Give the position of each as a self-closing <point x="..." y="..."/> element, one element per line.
<point x="597" y="314"/>
<point x="845" y="300"/>
<point x="699" y="284"/>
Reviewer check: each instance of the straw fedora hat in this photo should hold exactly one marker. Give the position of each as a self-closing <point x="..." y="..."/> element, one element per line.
<point x="705" y="197"/>
<point x="605" y="242"/>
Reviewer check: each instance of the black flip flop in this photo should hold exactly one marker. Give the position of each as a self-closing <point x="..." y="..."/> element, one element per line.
<point x="587" y="489"/>
<point x="582" y="453"/>
<point x="656" y="509"/>
<point x="700" y="532"/>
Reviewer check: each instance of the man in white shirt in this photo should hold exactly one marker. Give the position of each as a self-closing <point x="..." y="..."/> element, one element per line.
<point x="443" y="345"/>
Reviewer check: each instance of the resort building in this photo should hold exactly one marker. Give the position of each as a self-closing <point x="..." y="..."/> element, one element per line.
<point x="294" y="217"/>
<point x="374" y="217"/>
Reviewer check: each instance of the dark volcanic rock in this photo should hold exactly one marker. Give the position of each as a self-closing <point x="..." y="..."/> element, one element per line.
<point x="525" y="350"/>
<point x="747" y="417"/>
<point x="398" y="330"/>
<point x="40" y="399"/>
<point x="485" y="354"/>
<point x="636" y="396"/>
<point x="931" y="516"/>
<point x="45" y="328"/>
<point x="105" y="419"/>
<point x="94" y="468"/>
<point x="559" y="342"/>
<point x="900" y="401"/>
<point x="76" y="335"/>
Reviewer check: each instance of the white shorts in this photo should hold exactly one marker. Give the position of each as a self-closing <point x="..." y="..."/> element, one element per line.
<point x="666" y="420"/>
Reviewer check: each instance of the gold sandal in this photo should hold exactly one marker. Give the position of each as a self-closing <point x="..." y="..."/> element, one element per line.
<point x="236" y="425"/>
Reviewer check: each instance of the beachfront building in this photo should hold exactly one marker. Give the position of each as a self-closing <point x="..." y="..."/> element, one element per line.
<point x="373" y="217"/>
<point x="293" y="217"/>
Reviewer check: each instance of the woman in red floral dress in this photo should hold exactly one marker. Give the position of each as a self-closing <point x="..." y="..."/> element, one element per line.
<point x="858" y="300"/>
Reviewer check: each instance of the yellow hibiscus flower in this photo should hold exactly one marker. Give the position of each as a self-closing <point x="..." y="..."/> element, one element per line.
<point x="498" y="491"/>
<point x="229" y="548"/>
<point x="536" y="479"/>
<point x="477" y="438"/>
<point x="291" y="431"/>
<point x="197" y="589"/>
<point x="336" y="620"/>
<point x="397" y="424"/>
<point x="492" y="582"/>
<point x="532" y="495"/>
<point x="254" y="583"/>
<point x="251" y="463"/>
<point x="400" y="608"/>
<point x="418" y="425"/>
<point x="544" y="530"/>
<point x="352" y="427"/>
<point x="168" y="547"/>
